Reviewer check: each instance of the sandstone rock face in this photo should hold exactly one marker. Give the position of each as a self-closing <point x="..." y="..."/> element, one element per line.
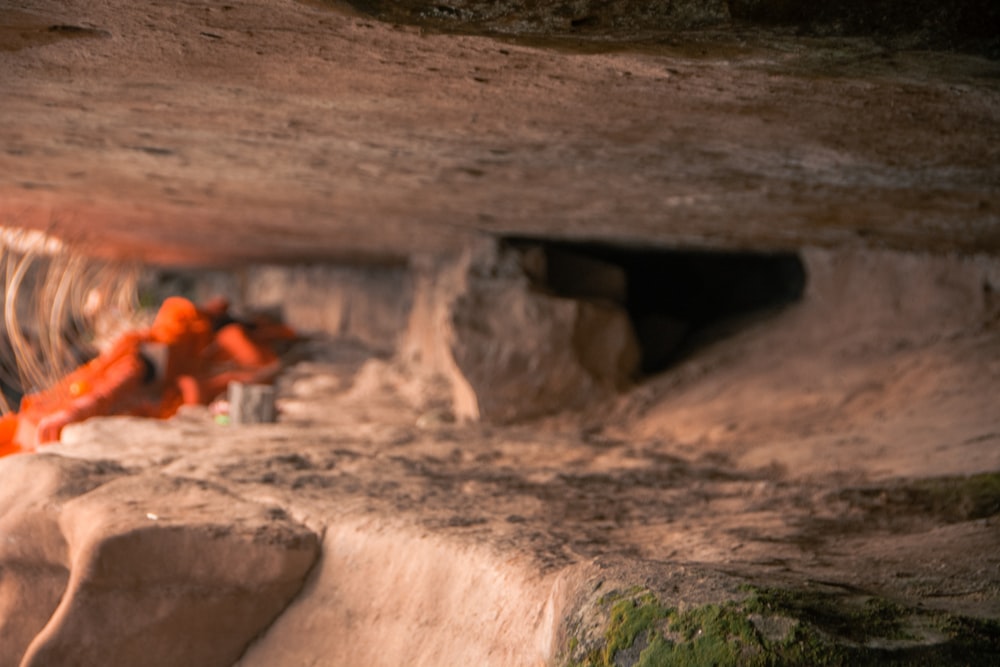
<point x="582" y="16"/>
<point x="285" y="130"/>
<point x="845" y="444"/>
<point x="102" y="567"/>
<point x="33" y="552"/>
<point x="510" y="350"/>
<point x="369" y="305"/>
<point x="454" y="592"/>
<point x="971" y="25"/>
<point x="825" y="443"/>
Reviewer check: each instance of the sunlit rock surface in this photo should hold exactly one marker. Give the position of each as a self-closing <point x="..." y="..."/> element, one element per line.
<point x="211" y="132"/>
<point x="842" y="447"/>
<point x="103" y="567"/>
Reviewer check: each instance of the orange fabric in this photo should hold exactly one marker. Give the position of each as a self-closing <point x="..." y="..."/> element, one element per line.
<point x="8" y="429"/>
<point x="233" y="343"/>
<point x="186" y="331"/>
<point x="199" y="365"/>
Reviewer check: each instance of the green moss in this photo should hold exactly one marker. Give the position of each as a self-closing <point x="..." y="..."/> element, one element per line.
<point x="814" y="629"/>
<point x="859" y="620"/>
<point x="636" y="592"/>
<point x="708" y="635"/>
<point x="711" y="635"/>
<point x="961" y="498"/>
<point x="973" y="635"/>
<point x="631" y="618"/>
<point x="948" y="499"/>
<point x="836" y="629"/>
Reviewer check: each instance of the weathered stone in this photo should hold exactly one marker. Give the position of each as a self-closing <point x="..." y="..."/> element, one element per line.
<point x="550" y="18"/>
<point x="515" y="348"/>
<point x="804" y="453"/>
<point x="575" y="275"/>
<point x="512" y="351"/>
<point x="605" y="343"/>
<point x="250" y="403"/>
<point x="33" y="567"/>
<point x="266" y="130"/>
<point x="305" y="132"/>
<point x="100" y="567"/>
<point x="368" y="304"/>
<point x="458" y="609"/>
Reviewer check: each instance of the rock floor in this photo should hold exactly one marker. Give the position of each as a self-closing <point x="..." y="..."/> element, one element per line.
<point x="858" y="466"/>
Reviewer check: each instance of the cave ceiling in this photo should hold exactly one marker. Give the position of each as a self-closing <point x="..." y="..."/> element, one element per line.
<point x="215" y="132"/>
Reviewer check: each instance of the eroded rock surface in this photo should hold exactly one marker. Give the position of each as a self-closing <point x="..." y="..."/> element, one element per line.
<point x="34" y="570"/>
<point x="525" y="352"/>
<point x="102" y="566"/>
<point x="840" y="461"/>
<point x="272" y="129"/>
<point x="844" y="448"/>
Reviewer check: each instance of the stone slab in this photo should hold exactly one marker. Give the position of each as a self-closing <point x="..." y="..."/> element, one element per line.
<point x="306" y="130"/>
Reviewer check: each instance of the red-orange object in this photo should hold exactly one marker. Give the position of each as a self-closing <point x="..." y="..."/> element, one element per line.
<point x="188" y="356"/>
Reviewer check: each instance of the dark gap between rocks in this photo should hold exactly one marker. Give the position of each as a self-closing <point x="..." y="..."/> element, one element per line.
<point x="677" y="300"/>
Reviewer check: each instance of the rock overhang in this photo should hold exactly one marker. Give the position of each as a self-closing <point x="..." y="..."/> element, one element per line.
<point x="208" y="134"/>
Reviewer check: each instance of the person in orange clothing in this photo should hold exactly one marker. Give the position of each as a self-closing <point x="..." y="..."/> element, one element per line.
<point x="188" y="356"/>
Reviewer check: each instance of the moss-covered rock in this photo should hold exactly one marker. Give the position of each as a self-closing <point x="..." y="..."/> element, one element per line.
<point x="950" y="499"/>
<point x="777" y="627"/>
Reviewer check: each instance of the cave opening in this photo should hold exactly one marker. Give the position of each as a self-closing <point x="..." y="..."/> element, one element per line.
<point x="678" y="300"/>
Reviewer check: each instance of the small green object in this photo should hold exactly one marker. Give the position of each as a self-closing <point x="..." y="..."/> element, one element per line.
<point x="222" y="420"/>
